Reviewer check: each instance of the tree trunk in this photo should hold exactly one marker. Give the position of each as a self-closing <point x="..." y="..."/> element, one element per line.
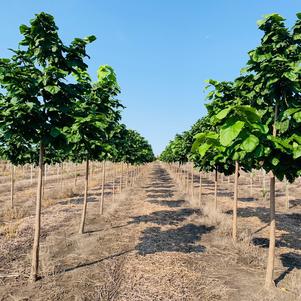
<point x="234" y="225"/>
<point x="215" y="189"/>
<point x="82" y="223"/>
<point x="12" y="186"/>
<point x="269" y="282"/>
<point x="36" y="241"/>
<point x="102" y="186"/>
<point x="271" y="258"/>
<point x="264" y="185"/>
<point x="127" y="175"/>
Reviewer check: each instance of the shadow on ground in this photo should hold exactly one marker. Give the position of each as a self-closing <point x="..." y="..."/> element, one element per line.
<point x="182" y="239"/>
<point x="171" y="204"/>
<point x="165" y="217"/>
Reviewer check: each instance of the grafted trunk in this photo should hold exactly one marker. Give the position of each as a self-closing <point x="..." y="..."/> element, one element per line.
<point x="234" y="224"/>
<point x="37" y="230"/>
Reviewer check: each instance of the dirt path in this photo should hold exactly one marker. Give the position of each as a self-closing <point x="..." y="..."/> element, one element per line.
<point x="150" y="245"/>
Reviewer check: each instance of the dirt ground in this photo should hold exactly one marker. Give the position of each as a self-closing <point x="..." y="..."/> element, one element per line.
<point x="156" y="243"/>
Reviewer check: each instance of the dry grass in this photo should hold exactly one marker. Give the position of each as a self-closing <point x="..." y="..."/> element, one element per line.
<point x="10" y="230"/>
<point x="17" y="213"/>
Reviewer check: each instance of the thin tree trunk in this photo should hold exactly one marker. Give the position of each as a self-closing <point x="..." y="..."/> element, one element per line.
<point x="215" y="189"/>
<point x="264" y="185"/>
<point x="12" y="186"/>
<point x="36" y="241"/>
<point x="83" y="219"/>
<point x="234" y="225"/>
<point x="271" y="257"/>
<point x="127" y="175"/>
<point x="102" y="186"/>
<point x="269" y="282"/>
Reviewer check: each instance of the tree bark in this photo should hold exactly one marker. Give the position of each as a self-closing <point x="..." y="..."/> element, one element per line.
<point x="83" y="218"/>
<point x="102" y="186"/>
<point x="234" y="224"/>
<point x="37" y="230"/>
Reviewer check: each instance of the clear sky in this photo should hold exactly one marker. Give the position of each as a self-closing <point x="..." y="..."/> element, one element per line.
<point x="161" y="50"/>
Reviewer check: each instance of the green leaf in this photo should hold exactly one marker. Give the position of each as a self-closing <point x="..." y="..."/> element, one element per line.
<point x="23" y="28"/>
<point x="297" y="152"/>
<point x="250" y="143"/>
<point x="223" y="113"/>
<point x="55" y="132"/>
<point x="52" y="89"/>
<point x="297" y="116"/>
<point x="203" y="149"/>
<point x="229" y="133"/>
<point x="275" y="161"/>
<point x="291" y="76"/>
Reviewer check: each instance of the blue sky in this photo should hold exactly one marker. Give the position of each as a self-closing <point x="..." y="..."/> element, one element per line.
<point x="161" y="50"/>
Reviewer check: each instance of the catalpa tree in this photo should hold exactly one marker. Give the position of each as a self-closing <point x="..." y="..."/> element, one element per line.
<point x="39" y="97"/>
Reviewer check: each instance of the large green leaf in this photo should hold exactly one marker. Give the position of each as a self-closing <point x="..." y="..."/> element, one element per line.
<point x="229" y="133"/>
<point x="204" y="148"/>
<point x="250" y="143"/>
<point x="223" y="113"/>
<point x="52" y="89"/>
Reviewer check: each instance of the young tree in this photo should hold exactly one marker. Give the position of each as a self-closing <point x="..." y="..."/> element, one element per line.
<point x="95" y="118"/>
<point x="39" y="96"/>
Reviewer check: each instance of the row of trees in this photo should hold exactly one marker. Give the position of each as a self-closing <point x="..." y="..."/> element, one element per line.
<point x="254" y="121"/>
<point x="51" y="111"/>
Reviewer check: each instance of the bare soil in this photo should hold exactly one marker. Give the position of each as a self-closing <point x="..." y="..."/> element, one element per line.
<point x="154" y="243"/>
